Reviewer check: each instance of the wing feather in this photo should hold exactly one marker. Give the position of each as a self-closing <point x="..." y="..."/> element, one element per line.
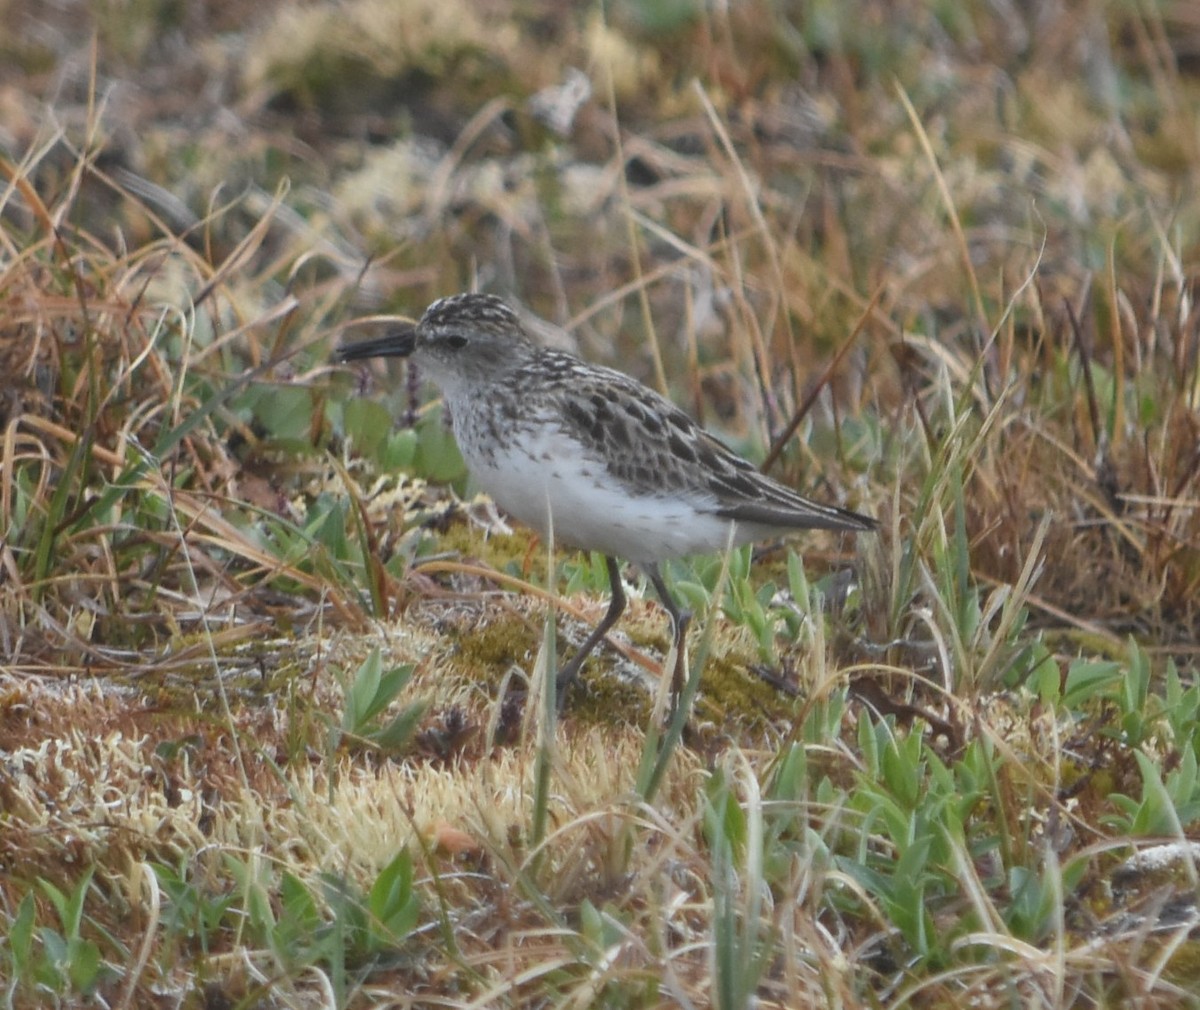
<point x="645" y="440"/>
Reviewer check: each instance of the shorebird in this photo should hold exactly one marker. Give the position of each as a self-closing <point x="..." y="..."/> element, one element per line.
<point x="590" y="456"/>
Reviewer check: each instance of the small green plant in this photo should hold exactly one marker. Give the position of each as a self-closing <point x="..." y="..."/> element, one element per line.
<point x="752" y="608"/>
<point x="334" y="926"/>
<point x="55" y="961"/>
<point x="363" y="927"/>
<point x="1182" y="710"/>
<point x="1087" y="680"/>
<point x="584" y="573"/>
<point x="1167" y="804"/>
<point x="735" y="837"/>
<point x="192" y="916"/>
<point x="603" y="931"/>
<point x="368" y="694"/>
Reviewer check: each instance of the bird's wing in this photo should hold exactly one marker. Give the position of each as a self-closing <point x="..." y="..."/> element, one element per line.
<point x="646" y="441"/>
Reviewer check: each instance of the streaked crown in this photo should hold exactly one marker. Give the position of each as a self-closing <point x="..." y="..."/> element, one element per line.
<point x="471" y="337"/>
<point x="481" y="313"/>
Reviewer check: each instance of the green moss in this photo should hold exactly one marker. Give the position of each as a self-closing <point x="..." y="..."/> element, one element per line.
<point x="486" y="651"/>
<point x="608" y="700"/>
<point x="738" y="695"/>
<point x="1183" y="968"/>
<point x="516" y="555"/>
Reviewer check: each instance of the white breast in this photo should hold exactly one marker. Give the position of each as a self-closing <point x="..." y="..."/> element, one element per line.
<point x="547" y="481"/>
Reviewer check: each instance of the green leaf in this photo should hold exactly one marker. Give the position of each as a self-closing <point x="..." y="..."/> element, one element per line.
<point x="299" y="906"/>
<point x="1087" y="678"/>
<point x="903" y="769"/>
<point x="692" y="595"/>
<point x="368" y="425"/>
<point x="20" y="937"/>
<point x="724" y="819"/>
<point x="83" y="964"/>
<point x="57" y="898"/>
<point x="797" y="580"/>
<point x="437" y="456"/>
<point x="362" y="692"/>
<point x="397" y="734"/>
<point x="286" y="412"/>
<point x="590" y="923"/>
<point x="399" y="450"/>
<point x="1046" y="680"/>
<point x="54" y="950"/>
<point x="394" y="906"/>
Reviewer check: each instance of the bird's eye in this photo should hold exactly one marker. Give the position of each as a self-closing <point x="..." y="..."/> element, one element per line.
<point x="456" y="341"/>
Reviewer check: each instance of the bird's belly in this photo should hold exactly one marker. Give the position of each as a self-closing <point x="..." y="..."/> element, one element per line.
<point x="551" y="485"/>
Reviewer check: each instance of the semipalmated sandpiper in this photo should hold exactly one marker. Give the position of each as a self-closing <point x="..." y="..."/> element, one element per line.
<point x="589" y="455"/>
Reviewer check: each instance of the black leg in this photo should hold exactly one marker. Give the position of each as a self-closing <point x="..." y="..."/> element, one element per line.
<point x="615" y="607"/>
<point x="680" y="619"/>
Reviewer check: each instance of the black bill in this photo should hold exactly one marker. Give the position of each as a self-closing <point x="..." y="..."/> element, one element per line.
<point x="397" y="343"/>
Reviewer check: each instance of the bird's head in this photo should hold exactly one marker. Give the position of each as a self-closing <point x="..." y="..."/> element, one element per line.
<point x="463" y="339"/>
